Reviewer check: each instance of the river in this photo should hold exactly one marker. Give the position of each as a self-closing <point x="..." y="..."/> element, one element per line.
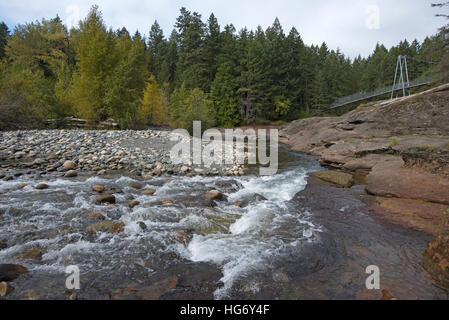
<point x="265" y="241"/>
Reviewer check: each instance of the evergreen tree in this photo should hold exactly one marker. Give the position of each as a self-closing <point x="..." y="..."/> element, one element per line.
<point x="213" y="48"/>
<point x="192" y="69"/>
<point x="4" y="35"/>
<point x="126" y="85"/>
<point x="224" y="97"/>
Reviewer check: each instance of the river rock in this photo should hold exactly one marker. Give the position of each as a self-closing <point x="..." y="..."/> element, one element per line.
<point x="148" y="192"/>
<point x="436" y="259"/>
<point x="135" y="185"/>
<point x="3" y="244"/>
<point x="142" y="225"/>
<point x="157" y="172"/>
<point x="98" y="188"/>
<point x="99" y="227"/>
<point x="5" y="289"/>
<point x="69" y="165"/>
<point x="386" y="295"/>
<point x="214" y="195"/>
<point x="152" y="292"/>
<point x="71" y="174"/>
<point x="167" y="201"/>
<point x="94" y="215"/>
<point x="34" y="253"/>
<point x="133" y="204"/>
<point x="342" y="179"/>
<point x="107" y="198"/>
<point x="182" y="238"/>
<point x="117" y="227"/>
<point x="10" y="272"/>
<point x="42" y="186"/>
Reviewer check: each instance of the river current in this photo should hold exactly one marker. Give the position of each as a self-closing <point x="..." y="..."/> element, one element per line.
<point x="243" y="247"/>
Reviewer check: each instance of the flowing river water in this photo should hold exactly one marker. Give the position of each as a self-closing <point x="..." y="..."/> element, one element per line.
<point x="277" y="244"/>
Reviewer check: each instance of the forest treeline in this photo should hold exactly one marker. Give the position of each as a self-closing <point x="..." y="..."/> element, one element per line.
<point x="201" y="71"/>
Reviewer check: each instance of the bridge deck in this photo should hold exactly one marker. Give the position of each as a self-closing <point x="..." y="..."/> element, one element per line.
<point x="367" y="95"/>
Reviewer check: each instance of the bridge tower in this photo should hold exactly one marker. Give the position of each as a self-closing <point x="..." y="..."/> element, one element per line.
<point x="401" y="70"/>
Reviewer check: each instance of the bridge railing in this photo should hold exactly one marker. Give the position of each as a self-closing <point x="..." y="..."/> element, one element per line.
<point x="366" y="95"/>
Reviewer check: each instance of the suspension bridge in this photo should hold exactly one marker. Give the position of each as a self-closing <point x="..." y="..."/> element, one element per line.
<point x="401" y="83"/>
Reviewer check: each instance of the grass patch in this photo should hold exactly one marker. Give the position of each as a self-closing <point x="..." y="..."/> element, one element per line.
<point x="394" y="143"/>
<point x="281" y="122"/>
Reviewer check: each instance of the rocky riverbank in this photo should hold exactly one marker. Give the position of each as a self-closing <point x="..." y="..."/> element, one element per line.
<point x="399" y="150"/>
<point x="145" y="153"/>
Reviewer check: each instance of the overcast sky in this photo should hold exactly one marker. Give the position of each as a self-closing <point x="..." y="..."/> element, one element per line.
<point x="354" y="26"/>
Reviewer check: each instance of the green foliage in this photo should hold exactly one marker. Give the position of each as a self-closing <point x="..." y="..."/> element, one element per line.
<point x="394" y="143"/>
<point x="153" y="107"/>
<point x="4" y="35"/>
<point x="225" y="100"/>
<point x="200" y="72"/>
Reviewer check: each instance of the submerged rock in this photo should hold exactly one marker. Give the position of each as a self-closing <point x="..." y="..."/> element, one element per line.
<point x="42" y="186"/>
<point x="436" y="259"/>
<point x="133" y="203"/>
<point x="182" y="238"/>
<point x="107" y="198"/>
<point x="152" y="292"/>
<point x="142" y="225"/>
<point x="94" y="215"/>
<point x="10" y="272"/>
<point x="343" y="179"/>
<point x="34" y="253"/>
<point x="135" y="185"/>
<point x="117" y="227"/>
<point x="148" y="192"/>
<point x="214" y="195"/>
<point x="3" y="244"/>
<point x="99" y="227"/>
